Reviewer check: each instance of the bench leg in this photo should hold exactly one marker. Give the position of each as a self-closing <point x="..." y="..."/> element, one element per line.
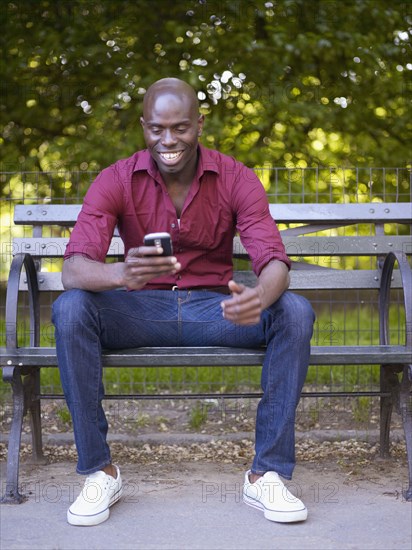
<point x="12" y="494"/>
<point x="406" y="414"/>
<point x="389" y="384"/>
<point x="32" y="392"/>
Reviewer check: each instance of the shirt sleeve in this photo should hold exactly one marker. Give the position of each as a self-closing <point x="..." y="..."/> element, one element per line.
<point x="257" y="229"/>
<point x="93" y="231"/>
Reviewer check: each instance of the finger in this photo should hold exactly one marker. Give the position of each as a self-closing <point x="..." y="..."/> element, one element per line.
<point x="242" y="302"/>
<point x="144" y="251"/>
<point x="237" y="306"/>
<point x="237" y="297"/>
<point x="155" y="261"/>
<point x="251" y="319"/>
<point x="139" y="268"/>
<point x="132" y="252"/>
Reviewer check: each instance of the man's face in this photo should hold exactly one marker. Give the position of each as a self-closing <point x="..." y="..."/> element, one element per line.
<point x="171" y="127"/>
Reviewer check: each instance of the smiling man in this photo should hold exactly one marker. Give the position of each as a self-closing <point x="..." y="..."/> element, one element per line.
<point x="202" y="198"/>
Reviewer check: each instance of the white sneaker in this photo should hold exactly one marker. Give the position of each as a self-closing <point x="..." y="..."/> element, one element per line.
<point x="270" y="495"/>
<point x="100" y="491"/>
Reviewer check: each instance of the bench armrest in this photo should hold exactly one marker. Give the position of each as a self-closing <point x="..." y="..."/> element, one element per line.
<point x="12" y="298"/>
<point x="384" y="296"/>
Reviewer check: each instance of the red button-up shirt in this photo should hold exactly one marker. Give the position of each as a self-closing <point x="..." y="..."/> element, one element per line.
<point x="224" y="197"/>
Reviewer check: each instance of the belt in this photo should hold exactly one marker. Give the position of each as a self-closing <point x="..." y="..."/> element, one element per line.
<point x="220" y="289"/>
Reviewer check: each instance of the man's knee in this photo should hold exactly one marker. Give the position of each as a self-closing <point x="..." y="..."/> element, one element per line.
<point x="300" y="308"/>
<point x="69" y="307"/>
<point x="294" y="316"/>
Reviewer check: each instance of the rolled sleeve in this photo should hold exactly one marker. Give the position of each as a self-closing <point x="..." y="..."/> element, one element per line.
<point x="257" y="229"/>
<point x="93" y="231"/>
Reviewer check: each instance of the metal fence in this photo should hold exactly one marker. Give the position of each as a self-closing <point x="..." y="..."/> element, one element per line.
<point x="351" y="319"/>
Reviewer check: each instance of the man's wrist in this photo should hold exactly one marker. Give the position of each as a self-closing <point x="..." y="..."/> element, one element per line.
<point x="260" y="288"/>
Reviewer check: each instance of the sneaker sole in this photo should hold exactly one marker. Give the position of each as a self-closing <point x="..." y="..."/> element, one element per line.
<point x="290" y="516"/>
<point x="95" y="519"/>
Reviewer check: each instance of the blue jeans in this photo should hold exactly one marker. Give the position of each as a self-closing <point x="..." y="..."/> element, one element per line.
<point x="87" y="322"/>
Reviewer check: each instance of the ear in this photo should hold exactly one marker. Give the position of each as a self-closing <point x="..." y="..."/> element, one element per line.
<point x="142" y="122"/>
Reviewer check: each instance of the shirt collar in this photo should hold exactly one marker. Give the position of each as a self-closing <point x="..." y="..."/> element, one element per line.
<point x="206" y="163"/>
<point x="144" y="162"/>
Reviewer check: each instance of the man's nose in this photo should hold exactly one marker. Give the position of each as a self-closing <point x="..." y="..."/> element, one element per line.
<point x="168" y="138"/>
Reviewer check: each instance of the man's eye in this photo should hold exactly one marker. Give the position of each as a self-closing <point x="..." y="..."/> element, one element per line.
<point x="155" y="130"/>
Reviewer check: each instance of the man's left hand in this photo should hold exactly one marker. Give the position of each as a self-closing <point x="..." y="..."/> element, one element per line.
<point x="245" y="305"/>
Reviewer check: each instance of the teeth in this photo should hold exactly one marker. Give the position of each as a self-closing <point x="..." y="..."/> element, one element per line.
<point x="170" y="156"/>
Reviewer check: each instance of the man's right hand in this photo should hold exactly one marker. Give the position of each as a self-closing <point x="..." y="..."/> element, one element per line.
<point x="142" y="264"/>
<point x="145" y="263"/>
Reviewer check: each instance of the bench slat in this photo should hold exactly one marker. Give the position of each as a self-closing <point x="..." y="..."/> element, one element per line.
<point x="300" y="279"/>
<point x="348" y="213"/>
<point x="328" y="279"/>
<point x="213" y="356"/>
<point x="66" y="214"/>
<point x="54" y="247"/>
<point x="46" y="214"/>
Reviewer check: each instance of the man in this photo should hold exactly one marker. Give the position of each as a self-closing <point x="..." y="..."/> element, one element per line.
<point x="201" y="198"/>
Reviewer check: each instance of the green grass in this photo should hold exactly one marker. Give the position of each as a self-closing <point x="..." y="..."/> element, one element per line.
<point x="64" y="415"/>
<point x="356" y="326"/>
<point x="198" y="415"/>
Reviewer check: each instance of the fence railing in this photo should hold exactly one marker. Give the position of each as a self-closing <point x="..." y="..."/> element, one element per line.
<point x="352" y="320"/>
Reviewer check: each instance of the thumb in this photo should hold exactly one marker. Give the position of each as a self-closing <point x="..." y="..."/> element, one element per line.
<point x="236" y="287"/>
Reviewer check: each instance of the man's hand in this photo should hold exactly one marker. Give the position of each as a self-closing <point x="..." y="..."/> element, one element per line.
<point x="145" y="263"/>
<point x="142" y="264"/>
<point x="245" y="305"/>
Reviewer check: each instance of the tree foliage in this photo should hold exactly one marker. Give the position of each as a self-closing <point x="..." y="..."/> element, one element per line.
<point x="290" y="83"/>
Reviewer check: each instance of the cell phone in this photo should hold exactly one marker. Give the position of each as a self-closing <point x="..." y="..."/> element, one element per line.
<point x="160" y="239"/>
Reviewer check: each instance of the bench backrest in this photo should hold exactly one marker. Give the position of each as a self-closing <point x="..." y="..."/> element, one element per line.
<point x="316" y="258"/>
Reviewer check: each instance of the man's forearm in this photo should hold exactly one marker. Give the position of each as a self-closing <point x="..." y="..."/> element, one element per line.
<point x="273" y="280"/>
<point x="81" y="272"/>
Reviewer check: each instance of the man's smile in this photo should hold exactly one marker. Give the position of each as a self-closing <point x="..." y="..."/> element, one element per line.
<point x="172" y="157"/>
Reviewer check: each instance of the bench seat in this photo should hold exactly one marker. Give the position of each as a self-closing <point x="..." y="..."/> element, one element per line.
<point x="211" y="356"/>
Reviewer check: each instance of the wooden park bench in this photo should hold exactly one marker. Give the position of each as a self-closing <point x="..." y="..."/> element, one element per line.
<point x="301" y="225"/>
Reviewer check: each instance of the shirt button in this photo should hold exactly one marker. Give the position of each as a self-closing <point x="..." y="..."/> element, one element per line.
<point x="179" y="277"/>
<point x="173" y="225"/>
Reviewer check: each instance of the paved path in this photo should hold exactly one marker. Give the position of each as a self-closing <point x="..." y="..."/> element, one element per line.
<point x="199" y="507"/>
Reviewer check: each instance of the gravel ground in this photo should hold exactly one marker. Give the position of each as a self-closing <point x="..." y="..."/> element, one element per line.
<point x="348" y="454"/>
<point x="211" y="416"/>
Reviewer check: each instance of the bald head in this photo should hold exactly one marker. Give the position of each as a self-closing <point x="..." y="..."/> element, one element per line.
<point x="172" y="87"/>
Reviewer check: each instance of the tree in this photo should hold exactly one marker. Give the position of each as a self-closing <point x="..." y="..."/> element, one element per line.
<point x="292" y="83"/>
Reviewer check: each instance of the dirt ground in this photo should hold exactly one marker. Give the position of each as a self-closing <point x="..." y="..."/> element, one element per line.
<point x="160" y="434"/>
<point x="212" y="416"/>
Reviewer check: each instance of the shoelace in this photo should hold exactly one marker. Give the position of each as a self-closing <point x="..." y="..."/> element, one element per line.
<point x="91" y="481"/>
